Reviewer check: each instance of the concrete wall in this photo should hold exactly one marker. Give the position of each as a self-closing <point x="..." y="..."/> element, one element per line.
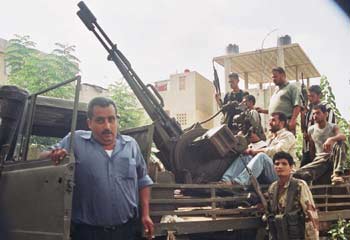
<point x="89" y="91"/>
<point x="3" y="75"/>
<point x="188" y="97"/>
<point x="204" y="99"/>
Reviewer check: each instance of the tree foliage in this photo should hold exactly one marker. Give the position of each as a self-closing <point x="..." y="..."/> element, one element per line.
<point x="34" y="70"/>
<point x="340" y="230"/>
<point x="130" y="111"/>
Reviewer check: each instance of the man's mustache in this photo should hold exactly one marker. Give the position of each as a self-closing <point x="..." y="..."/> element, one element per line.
<point x="106" y="131"/>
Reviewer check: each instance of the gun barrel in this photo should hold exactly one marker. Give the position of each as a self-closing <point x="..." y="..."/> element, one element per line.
<point x="166" y="127"/>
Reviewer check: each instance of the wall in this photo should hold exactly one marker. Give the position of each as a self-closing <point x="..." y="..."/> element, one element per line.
<point x="3" y="75"/>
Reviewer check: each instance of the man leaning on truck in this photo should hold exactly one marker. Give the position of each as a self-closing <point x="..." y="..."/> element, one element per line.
<point x="110" y="177"/>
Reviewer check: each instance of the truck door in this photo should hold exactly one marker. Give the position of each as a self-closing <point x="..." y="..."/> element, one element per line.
<point x="36" y="195"/>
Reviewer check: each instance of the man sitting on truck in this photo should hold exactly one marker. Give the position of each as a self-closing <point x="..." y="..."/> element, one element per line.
<point x="110" y="177"/>
<point x="249" y="102"/>
<point x="259" y="161"/>
<point x="327" y="149"/>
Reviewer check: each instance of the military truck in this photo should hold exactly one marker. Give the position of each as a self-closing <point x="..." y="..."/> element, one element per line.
<point x="37" y="196"/>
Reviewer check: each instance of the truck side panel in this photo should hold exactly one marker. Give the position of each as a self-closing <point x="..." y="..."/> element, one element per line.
<point x="37" y="197"/>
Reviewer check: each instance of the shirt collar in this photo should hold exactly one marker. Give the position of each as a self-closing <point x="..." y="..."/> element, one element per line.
<point x="274" y="135"/>
<point x="286" y="185"/>
<point x="280" y="131"/>
<point x="283" y="85"/>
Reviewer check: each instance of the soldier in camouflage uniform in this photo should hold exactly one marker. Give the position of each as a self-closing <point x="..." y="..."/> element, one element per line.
<point x="293" y="213"/>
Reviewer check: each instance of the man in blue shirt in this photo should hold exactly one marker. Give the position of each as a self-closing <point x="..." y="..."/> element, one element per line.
<point x="110" y="178"/>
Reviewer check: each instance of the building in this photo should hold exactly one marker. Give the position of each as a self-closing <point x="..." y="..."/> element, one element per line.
<point x="188" y="97"/>
<point x="3" y="74"/>
<point x="89" y="91"/>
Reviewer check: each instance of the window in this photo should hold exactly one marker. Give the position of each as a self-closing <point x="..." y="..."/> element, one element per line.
<point x="182" y="83"/>
<point x="181" y="118"/>
<point x="161" y="86"/>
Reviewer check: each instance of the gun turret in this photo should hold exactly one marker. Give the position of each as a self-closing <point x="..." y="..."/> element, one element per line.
<point x="189" y="162"/>
<point x="167" y="130"/>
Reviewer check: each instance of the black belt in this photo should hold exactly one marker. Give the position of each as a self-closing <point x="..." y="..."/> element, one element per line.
<point x="107" y="228"/>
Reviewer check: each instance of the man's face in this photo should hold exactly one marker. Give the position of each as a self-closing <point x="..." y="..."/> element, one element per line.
<point x="314" y="98"/>
<point x="248" y="104"/>
<point x="104" y="125"/>
<point x="278" y="78"/>
<point x="282" y="167"/>
<point x="275" y="124"/>
<point x="233" y="82"/>
<point x="319" y="116"/>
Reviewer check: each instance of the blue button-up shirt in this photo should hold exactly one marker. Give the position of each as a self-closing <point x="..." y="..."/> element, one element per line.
<point x="106" y="188"/>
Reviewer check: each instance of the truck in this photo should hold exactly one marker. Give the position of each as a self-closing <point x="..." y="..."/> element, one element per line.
<point x="185" y="203"/>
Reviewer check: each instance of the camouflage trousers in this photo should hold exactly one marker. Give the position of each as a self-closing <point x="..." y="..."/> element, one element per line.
<point x="335" y="162"/>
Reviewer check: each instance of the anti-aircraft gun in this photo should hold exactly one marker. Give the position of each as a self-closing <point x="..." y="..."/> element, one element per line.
<point x="204" y="160"/>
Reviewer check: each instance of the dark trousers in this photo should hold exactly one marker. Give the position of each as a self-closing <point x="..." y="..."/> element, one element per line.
<point x="306" y="159"/>
<point x="125" y="231"/>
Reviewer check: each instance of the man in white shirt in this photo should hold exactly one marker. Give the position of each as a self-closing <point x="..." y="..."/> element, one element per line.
<point x="259" y="160"/>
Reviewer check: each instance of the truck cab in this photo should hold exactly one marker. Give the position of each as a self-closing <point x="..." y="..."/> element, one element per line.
<point x="36" y="195"/>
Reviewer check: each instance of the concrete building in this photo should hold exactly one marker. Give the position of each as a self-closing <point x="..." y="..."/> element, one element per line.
<point x="3" y="74"/>
<point x="188" y="97"/>
<point x="89" y="91"/>
<point x="254" y="68"/>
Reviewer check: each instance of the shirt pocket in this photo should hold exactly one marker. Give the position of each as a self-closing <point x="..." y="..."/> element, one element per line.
<point x="127" y="168"/>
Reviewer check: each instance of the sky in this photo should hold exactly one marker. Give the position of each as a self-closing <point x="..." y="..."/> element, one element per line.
<point x="163" y="37"/>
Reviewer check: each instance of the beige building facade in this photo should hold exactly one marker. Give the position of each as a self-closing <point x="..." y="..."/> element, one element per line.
<point x="188" y="97"/>
<point x="3" y="74"/>
<point x="89" y="91"/>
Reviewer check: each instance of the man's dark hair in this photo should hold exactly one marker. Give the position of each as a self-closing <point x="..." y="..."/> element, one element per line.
<point x="250" y="98"/>
<point x="279" y="70"/>
<point x="283" y="155"/>
<point x="322" y="107"/>
<point x="281" y="116"/>
<point x="233" y="75"/>
<point x="315" y="89"/>
<point x="245" y="93"/>
<point x="99" y="101"/>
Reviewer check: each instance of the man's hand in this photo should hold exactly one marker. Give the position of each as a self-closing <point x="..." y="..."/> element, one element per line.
<point x="217" y="96"/>
<point x="261" y="110"/>
<point x="148" y="226"/>
<point x="292" y="125"/>
<point x="57" y="155"/>
<point x="218" y="99"/>
<point x="248" y="151"/>
<point x="328" y="144"/>
<point x="251" y="152"/>
<point x="306" y="136"/>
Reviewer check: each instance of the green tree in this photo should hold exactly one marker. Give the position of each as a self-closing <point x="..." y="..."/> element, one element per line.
<point x="130" y="111"/>
<point x="34" y="70"/>
<point x="340" y="230"/>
